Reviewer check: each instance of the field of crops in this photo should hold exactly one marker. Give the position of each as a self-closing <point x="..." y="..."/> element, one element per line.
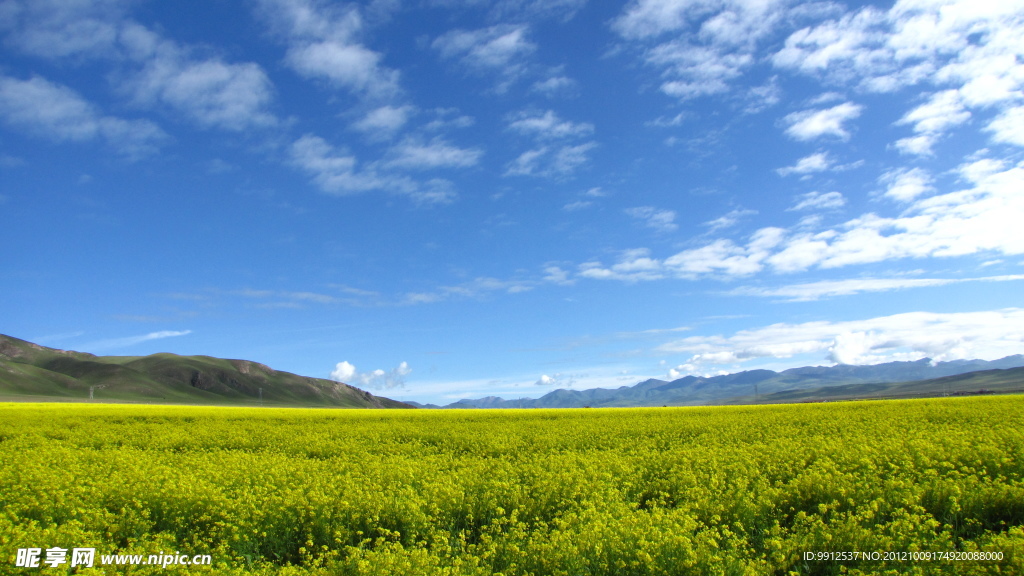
<point x="733" y="490"/>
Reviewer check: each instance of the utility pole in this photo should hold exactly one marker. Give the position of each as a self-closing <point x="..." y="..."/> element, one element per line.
<point x="261" y="396"/>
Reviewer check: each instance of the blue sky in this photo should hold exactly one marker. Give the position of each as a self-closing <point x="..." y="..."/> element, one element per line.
<point x="442" y="199"/>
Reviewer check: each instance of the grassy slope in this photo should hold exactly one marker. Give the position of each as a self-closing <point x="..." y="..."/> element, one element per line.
<point x="29" y="371"/>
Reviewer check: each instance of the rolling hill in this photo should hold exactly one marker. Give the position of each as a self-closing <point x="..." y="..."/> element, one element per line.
<point x="32" y="372"/>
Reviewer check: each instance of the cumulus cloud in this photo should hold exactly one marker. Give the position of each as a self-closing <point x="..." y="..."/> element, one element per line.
<point x="377" y="379"/>
<point x="713" y="42"/>
<point x="906" y="184"/>
<point x="209" y="91"/>
<point x="323" y="43"/>
<point x="908" y="336"/>
<point x="59" y="113"/>
<point x="162" y="73"/>
<point x="983" y="217"/>
<point x="959" y="41"/>
<point x="813" y="124"/>
<point x="633" y="265"/>
<point x="817" y="162"/>
<point x="931" y="120"/>
<point x="565" y="381"/>
<point x="1008" y="127"/>
<point x="384" y="121"/>
<point x="333" y="170"/>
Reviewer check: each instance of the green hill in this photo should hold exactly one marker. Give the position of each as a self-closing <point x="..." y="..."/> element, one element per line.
<point x="32" y="372"/>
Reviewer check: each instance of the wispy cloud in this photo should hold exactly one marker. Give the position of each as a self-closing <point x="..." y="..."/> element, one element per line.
<point x="659" y="220"/>
<point x="547" y="125"/>
<point x="133" y="340"/>
<point x="728" y="220"/>
<point x="832" y="288"/>
<point x="819" y="201"/>
<point x="416" y="154"/>
<point x="501" y="50"/>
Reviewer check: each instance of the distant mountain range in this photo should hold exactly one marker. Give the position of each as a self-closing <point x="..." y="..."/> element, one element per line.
<point x="921" y="377"/>
<point x="32" y="372"/>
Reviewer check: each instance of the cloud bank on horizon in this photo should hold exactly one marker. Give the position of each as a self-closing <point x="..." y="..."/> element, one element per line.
<point x="516" y="196"/>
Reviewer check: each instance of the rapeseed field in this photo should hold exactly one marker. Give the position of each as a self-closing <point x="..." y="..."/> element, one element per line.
<point x="896" y="487"/>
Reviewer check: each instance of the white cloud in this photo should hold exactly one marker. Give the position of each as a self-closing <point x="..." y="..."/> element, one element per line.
<point x="973" y="46"/>
<point x="548" y="126"/>
<point x="697" y="70"/>
<point x="546" y="380"/>
<point x="731" y="21"/>
<point x="981" y="219"/>
<point x="500" y="49"/>
<point x="942" y="111"/>
<point x="415" y="154"/>
<point x="211" y="92"/>
<point x="633" y="265"/>
<point x="831" y="288"/>
<point x="905" y="184"/>
<point x="659" y="220"/>
<point x="714" y="42"/>
<point x="729" y="220"/>
<point x="556" y="275"/>
<point x="322" y="44"/>
<point x="555" y="86"/>
<point x="133" y="340"/>
<point x="819" y="201"/>
<point x="336" y="172"/>
<point x="377" y="379"/>
<point x="207" y="90"/>
<point x="345" y="65"/>
<point x="384" y="121"/>
<point x="59" y="113"/>
<point x="549" y="161"/>
<point x="813" y="124"/>
<point x="908" y="336"/>
<point x="723" y="257"/>
<point x="59" y="29"/>
<point x="817" y="162"/>
<point x="1008" y="127"/>
<point x="577" y="205"/>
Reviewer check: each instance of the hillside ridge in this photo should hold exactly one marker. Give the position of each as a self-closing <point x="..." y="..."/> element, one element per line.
<point x="31" y="371"/>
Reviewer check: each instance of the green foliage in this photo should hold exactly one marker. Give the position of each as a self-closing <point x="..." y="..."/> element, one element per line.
<point x="654" y="491"/>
